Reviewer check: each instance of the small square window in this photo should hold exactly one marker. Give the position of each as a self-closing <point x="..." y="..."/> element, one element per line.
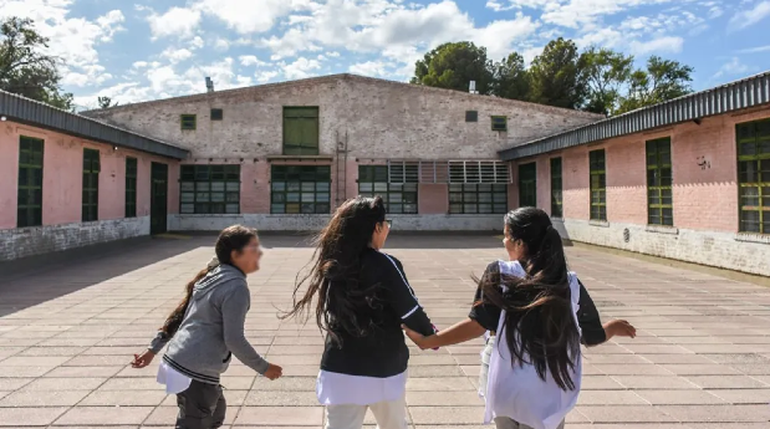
<point x="217" y="114"/>
<point x="471" y="116"/>
<point x="499" y="123"/>
<point x="188" y="122"/>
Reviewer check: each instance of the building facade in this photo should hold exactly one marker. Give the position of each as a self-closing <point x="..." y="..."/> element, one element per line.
<point x="283" y="156"/>
<point x="686" y="180"/>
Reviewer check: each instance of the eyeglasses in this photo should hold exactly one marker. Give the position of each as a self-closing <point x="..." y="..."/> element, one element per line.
<point x="390" y="222"/>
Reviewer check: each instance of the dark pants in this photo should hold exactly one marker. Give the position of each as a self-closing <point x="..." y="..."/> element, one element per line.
<point x="201" y="406"/>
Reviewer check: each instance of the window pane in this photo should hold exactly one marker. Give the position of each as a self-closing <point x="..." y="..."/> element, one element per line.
<point x="232" y="208"/>
<point x="217" y="197"/>
<point x="202" y="186"/>
<point x="187" y="197"/>
<point x="366" y="188"/>
<point x="278" y="186"/>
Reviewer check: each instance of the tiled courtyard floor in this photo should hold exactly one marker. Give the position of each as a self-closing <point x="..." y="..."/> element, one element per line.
<point x="68" y="331"/>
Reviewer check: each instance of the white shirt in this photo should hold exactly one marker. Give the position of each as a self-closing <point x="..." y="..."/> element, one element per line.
<point x="175" y="382"/>
<point x="518" y="392"/>
<point x="333" y="388"/>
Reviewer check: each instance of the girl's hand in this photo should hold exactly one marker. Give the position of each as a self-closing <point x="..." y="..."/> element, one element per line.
<point x="142" y="360"/>
<point x="417" y="338"/>
<point x="273" y="372"/>
<point x="620" y="328"/>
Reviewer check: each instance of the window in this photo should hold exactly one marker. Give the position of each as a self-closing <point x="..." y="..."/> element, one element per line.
<point x="528" y="185"/>
<point x="754" y="176"/>
<point x="660" y="209"/>
<point x="499" y="123"/>
<point x="300" y="189"/>
<point x="471" y="116"/>
<point x="91" y="168"/>
<point x="217" y="114"/>
<point x="30" y="189"/>
<point x="210" y="189"/>
<point x="300" y="130"/>
<point x="130" y="187"/>
<point x="188" y="122"/>
<point x="598" y="185"/>
<point x="556" y="188"/>
<point x="400" y="198"/>
<point x="478" y="198"/>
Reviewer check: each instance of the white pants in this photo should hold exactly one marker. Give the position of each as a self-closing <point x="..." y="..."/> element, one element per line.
<point x="389" y="415"/>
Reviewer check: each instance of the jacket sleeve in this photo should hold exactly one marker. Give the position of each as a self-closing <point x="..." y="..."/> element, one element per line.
<point x="590" y="322"/>
<point x="234" y="307"/>
<point x="483" y="312"/>
<point x="403" y="299"/>
<point x="160" y="341"/>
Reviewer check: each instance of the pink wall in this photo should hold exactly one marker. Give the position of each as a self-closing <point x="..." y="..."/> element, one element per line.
<point x="63" y="179"/>
<point x="433" y="198"/>
<point x="705" y="199"/>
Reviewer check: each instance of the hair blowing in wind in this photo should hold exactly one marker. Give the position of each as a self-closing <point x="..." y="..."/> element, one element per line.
<point x="539" y="327"/>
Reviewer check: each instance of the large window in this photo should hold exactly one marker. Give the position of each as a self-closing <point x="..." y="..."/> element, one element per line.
<point x="300" y="189"/>
<point x="188" y="122"/>
<point x="659" y="182"/>
<point x="478" y="198"/>
<point x="598" y="185"/>
<point x="556" y="188"/>
<point x="528" y="185"/>
<point x="131" y="187"/>
<point x="300" y="130"/>
<point x="91" y="168"/>
<point x="30" y="189"/>
<point x="400" y="198"/>
<point x="754" y="176"/>
<point x="210" y="189"/>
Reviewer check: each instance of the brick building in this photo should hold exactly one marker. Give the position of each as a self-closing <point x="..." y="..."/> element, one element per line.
<point x="663" y="180"/>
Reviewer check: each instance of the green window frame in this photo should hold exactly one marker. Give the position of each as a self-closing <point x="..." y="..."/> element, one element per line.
<point x="188" y="122"/>
<point x="29" y="207"/>
<point x="91" y="169"/>
<point x="598" y="185"/>
<point x="131" y="175"/>
<point x="660" y="205"/>
<point x="210" y="189"/>
<point x="499" y="123"/>
<point x="300" y="130"/>
<point x="399" y="198"/>
<point x="478" y="198"/>
<point x="557" y="206"/>
<point x="300" y="189"/>
<point x="528" y="185"/>
<point x="753" y="139"/>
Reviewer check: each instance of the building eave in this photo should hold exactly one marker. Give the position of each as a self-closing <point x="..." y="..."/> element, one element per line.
<point x="742" y="94"/>
<point x="34" y="113"/>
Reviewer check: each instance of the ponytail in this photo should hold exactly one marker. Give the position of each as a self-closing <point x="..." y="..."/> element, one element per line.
<point x="174" y="320"/>
<point x="539" y="327"/>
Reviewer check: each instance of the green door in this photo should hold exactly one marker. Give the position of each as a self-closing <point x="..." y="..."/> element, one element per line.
<point x="158" y="198"/>
<point x="528" y="185"/>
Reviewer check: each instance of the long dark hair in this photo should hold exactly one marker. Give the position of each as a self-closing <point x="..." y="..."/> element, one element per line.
<point x="539" y="326"/>
<point x="232" y="238"/>
<point x="343" y="304"/>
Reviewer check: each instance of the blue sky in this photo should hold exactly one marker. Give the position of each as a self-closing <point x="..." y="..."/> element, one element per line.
<point x="140" y="50"/>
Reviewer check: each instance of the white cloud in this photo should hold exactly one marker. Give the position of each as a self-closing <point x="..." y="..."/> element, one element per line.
<point x="176" y="55"/>
<point x="177" y="21"/>
<point x="755" y="50"/>
<point x="333" y="54"/>
<point x="301" y="68"/>
<point x="666" y="44"/>
<point x="369" y="68"/>
<point x="197" y="42"/>
<point x="244" y="16"/>
<point x="250" y="60"/>
<point x="749" y="17"/>
<point x="221" y="44"/>
<point x="139" y="64"/>
<point x="265" y="76"/>
<point x="732" y="68"/>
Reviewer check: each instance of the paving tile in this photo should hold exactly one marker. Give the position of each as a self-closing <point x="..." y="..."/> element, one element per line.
<point x="743" y="396"/>
<point x="53" y="398"/>
<point x="149" y="398"/>
<point x="654" y="382"/>
<point x="280" y="416"/>
<point x="610" y="397"/>
<point x="725" y="381"/>
<point x="55" y="383"/>
<point x="29" y="416"/>
<point x="443" y="399"/>
<point x="104" y="416"/>
<point x="718" y="413"/>
<point x="624" y="414"/>
<point x="680" y="397"/>
<point x="275" y="398"/>
<point x="447" y="415"/>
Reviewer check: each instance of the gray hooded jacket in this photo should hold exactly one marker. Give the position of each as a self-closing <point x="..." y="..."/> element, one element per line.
<point x="212" y="329"/>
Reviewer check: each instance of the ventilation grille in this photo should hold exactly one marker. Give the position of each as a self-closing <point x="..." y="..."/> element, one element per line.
<point x="478" y="172"/>
<point x="403" y="172"/>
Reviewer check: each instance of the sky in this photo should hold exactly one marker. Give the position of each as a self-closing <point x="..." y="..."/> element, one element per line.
<point x="147" y="49"/>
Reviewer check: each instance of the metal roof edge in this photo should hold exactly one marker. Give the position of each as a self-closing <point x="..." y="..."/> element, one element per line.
<point x="35" y="113"/>
<point x="741" y="94"/>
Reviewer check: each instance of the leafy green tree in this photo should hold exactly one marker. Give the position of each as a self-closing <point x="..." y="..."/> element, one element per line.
<point x="25" y="69"/>
<point x="453" y="66"/>
<point x="510" y="78"/>
<point x="105" y="102"/>
<point x="605" y="73"/>
<point x="662" y="80"/>
<point x="555" y="75"/>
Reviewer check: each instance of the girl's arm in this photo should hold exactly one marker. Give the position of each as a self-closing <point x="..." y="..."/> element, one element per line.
<point x="461" y="332"/>
<point x="403" y="299"/>
<point x="156" y="345"/>
<point x="594" y="332"/>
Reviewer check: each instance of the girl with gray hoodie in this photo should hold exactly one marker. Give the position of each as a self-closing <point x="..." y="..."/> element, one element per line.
<point x="206" y="330"/>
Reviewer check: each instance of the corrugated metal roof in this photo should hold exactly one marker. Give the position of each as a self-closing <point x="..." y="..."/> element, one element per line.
<point x="742" y="94"/>
<point x="35" y="113"/>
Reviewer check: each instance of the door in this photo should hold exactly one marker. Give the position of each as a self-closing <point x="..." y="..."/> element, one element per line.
<point x="158" y="198"/>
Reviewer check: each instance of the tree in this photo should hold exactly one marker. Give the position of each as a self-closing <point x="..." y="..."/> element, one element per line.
<point x="555" y="75"/>
<point x="663" y="80"/>
<point x="453" y="66"/>
<point x="510" y="78"/>
<point x="105" y="102"/>
<point x="605" y="72"/>
<point x="25" y="69"/>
